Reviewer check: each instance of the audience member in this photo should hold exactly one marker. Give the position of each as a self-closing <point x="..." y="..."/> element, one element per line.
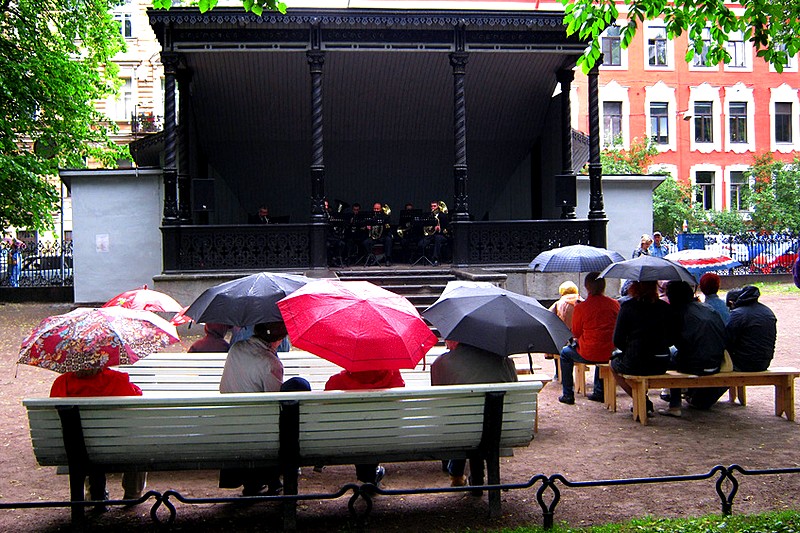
<point x="102" y="382"/>
<point x="213" y="341"/>
<point x="371" y="379"/>
<point x="643" y="334"/>
<point x="752" y="332"/>
<point x="709" y="286"/>
<point x="565" y="306"/>
<point x="699" y="343"/>
<point x="466" y="364"/>
<point x="592" y="328"/>
<point x="644" y="246"/>
<point x="252" y="365"/>
<point x="658" y="248"/>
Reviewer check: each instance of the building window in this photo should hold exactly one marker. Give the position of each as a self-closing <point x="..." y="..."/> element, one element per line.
<point x="612" y="123"/>
<point x="738" y="122"/>
<point x="703" y="122"/>
<point x="123" y="105"/>
<point x="790" y="62"/>
<point x="704" y="190"/>
<point x="659" y="122"/>
<point x="735" y="47"/>
<point x="783" y="122"/>
<point x="657" y="46"/>
<point x="738" y="183"/>
<point x="701" y="58"/>
<point x="126" y="24"/>
<point x="612" y="51"/>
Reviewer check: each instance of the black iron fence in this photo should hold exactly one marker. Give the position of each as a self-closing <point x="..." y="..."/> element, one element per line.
<point x="773" y="253"/>
<point x="43" y="264"/>
<point x="723" y="481"/>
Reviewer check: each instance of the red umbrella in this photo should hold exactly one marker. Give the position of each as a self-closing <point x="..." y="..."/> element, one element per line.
<point x="93" y="338"/>
<point x="146" y="300"/>
<point x="356" y="325"/>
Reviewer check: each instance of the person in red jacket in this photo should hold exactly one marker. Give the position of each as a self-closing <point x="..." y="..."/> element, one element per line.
<point x="102" y="382"/>
<point x="592" y="328"/>
<point x="214" y="339"/>
<point x="369" y="379"/>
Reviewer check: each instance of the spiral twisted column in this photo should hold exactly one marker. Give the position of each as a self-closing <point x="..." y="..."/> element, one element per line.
<point x="596" y="207"/>
<point x="184" y="78"/>
<point x="458" y="60"/>
<point x="316" y="60"/>
<point x="171" y="61"/>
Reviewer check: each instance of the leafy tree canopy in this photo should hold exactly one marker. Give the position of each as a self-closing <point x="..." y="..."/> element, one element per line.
<point x="774" y="194"/>
<point x="55" y="65"/>
<point x="773" y="27"/>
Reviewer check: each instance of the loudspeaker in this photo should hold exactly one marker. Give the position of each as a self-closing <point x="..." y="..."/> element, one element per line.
<point x="566" y="190"/>
<point x="202" y="195"/>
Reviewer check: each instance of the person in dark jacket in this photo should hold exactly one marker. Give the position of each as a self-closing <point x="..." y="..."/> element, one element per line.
<point x="700" y="344"/>
<point x="752" y="331"/>
<point x="643" y="333"/>
<point x="214" y="339"/>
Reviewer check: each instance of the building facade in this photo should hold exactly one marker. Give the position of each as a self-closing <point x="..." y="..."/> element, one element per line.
<point x="707" y="121"/>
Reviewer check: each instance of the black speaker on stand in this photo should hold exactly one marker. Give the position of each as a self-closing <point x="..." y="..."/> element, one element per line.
<point x="202" y="199"/>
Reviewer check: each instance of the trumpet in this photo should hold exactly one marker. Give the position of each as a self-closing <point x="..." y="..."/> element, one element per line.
<point x="430" y="230"/>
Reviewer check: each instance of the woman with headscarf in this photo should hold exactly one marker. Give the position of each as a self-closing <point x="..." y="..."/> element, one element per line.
<point x="564" y="307"/>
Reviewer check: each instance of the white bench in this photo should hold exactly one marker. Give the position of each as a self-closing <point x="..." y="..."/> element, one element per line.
<point x="118" y="434"/>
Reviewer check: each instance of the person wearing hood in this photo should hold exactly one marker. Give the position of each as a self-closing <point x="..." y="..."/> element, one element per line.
<point x="213" y="341"/>
<point x="367" y="379"/>
<point x="752" y="332"/>
<point x="564" y="307"/>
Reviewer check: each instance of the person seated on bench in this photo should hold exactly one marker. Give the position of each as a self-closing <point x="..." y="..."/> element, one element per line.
<point x="102" y="382"/>
<point x="252" y="365"/>
<point x="370" y="379"/>
<point x="751" y="334"/>
<point x="709" y="286"/>
<point x="213" y="341"/>
<point x="592" y="328"/>
<point x="700" y="343"/>
<point x="564" y="307"/>
<point x="643" y="334"/>
<point x="467" y="364"/>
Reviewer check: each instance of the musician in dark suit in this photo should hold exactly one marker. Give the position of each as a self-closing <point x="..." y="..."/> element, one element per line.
<point x="261" y="217"/>
<point x="335" y="237"/>
<point x="379" y="230"/>
<point x="435" y="231"/>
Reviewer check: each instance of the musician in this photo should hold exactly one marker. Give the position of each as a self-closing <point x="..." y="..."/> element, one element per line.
<point x="379" y="231"/>
<point x="435" y="231"/>
<point x="334" y="237"/>
<point x="356" y="230"/>
<point x="261" y="217"/>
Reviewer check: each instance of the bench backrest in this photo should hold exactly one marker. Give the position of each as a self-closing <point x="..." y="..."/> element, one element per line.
<point x="243" y="429"/>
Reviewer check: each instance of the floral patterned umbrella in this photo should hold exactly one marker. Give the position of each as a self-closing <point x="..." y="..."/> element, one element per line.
<point x="145" y="299"/>
<point x="94" y="338"/>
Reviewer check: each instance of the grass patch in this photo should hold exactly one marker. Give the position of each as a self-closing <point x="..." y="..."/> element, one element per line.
<point x="773" y="522"/>
<point x="776" y="288"/>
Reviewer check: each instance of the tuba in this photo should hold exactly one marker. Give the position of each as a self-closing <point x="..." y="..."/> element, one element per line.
<point x="376" y="231"/>
<point x="430" y="230"/>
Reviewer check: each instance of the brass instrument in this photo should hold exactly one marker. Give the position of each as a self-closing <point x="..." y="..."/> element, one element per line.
<point x="430" y="230"/>
<point x="376" y="231"/>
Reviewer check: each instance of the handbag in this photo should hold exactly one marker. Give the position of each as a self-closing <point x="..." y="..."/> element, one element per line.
<point x="727" y="363"/>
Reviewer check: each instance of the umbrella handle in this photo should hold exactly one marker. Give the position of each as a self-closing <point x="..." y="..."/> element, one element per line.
<point x="530" y="358"/>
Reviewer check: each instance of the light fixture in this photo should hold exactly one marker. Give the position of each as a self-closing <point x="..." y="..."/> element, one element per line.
<point x="687" y="115"/>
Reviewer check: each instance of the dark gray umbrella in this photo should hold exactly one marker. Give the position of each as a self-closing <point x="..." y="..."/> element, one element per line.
<point x="575" y="258"/>
<point x="245" y="301"/>
<point x="497" y="320"/>
<point x="648" y="268"/>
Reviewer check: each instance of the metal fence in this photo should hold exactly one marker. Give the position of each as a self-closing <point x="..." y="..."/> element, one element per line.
<point x="43" y="264"/>
<point x="758" y="253"/>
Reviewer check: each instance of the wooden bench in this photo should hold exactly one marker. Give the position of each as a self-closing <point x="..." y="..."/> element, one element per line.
<point x="780" y="378"/>
<point x="119" y="434"/>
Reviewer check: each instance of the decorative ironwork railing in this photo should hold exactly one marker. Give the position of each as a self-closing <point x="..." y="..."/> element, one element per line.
<point x="43" y="264"/>
<point x="548" y="495"/>
<point x="231" y="247"/>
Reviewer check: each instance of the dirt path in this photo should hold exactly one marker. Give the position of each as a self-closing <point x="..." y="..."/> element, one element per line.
<point x="582" y="442"/>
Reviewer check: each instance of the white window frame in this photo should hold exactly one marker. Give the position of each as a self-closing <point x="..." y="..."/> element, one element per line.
<point x="791" y="66"/>
<point x="123" y="103"/>
<point x="747" y="53"/>
<point x="608" y="140"/>
<point x="740" y="93"/>
<point x="614" y="92"/>
<point x="788" y="94"/>
<point x="698" y="63"/>
<point x="661" y="92"/>
<point x="623" y="52"/>
<point x="705" y="92"/>
<point x="650" y="29"/>
<point x="729" y="185"/>
<point x="122" y="14"/>
<point x="717" y="184"/>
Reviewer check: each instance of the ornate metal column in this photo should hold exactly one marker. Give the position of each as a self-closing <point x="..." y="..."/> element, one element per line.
<point x="316" y="60"/>
<point x="567" y="180"/>
<point x="460" y="226"/>
<point x="596" y="207"/>
<point x="170" y="60"/>
<point x="184" y="78"/>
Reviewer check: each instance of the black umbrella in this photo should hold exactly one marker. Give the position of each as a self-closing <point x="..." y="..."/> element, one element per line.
<point x="648" y="268"/>
<point x="245" y="301"/>
<point x="575" y="258"/>
<point x="497" y="320"/>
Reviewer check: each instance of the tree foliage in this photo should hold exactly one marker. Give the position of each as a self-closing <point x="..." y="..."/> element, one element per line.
<point x="774" y="194"/>
<point x="773" y="27"/>
<point x="636" y="160"/>
<point x="672" y="205"/>
<point x="255" y="6"/>
<point x="55" y="65"/>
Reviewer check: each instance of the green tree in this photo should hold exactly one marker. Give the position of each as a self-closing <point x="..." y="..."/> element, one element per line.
<point x="636" y="160"/>
<point x="672" y="204"/>
<point x="774" y="194"/>
<point x="55" y="66"/>
<point x="773" y="27"/>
